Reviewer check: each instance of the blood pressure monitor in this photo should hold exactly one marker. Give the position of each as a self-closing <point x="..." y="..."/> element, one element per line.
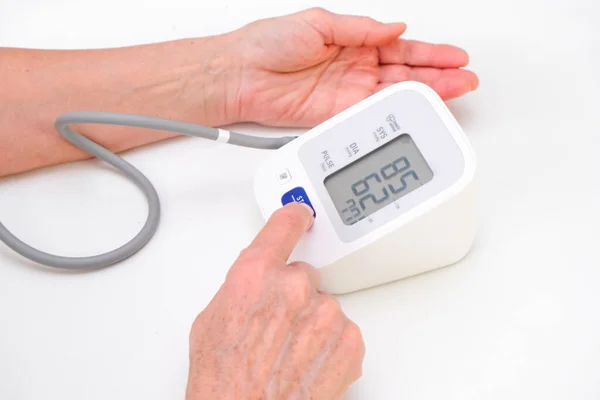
<point x="391" y="181"/>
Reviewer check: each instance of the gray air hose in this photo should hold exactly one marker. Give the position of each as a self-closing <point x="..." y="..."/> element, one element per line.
<point x="145" y="234"/>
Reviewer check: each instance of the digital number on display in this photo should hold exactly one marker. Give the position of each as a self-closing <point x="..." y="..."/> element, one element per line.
<point x="378" y="179"/>
<point x="381" y="184"/>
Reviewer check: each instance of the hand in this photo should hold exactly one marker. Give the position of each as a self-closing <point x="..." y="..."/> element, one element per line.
<point x="268" y="333"/>
<point x="294" y="70"/>
<point x="301" y="69"/>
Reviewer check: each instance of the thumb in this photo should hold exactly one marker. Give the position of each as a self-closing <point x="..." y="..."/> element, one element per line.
<point x="352" y="30"/>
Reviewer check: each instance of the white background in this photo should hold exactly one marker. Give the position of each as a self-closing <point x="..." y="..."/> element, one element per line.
<point x="518" y="319"/>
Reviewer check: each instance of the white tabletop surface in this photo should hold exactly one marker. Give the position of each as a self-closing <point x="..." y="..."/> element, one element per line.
<point x="519" y="318"/>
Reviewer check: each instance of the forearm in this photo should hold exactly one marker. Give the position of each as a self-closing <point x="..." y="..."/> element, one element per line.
<point x="183" y="80"/>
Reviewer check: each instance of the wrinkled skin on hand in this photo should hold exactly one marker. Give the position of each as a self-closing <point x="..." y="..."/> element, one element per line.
<point x="269" y="333"/>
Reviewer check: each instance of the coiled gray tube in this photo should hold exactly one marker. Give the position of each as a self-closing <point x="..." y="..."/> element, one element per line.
<point x="62" y="125"/>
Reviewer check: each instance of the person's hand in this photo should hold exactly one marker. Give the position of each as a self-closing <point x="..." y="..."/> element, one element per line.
<point x="301" y="69"/>
<point x="269" y="333"/>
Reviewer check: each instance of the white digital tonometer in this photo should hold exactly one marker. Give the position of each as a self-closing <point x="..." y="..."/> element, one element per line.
<point x="391" y="181"/>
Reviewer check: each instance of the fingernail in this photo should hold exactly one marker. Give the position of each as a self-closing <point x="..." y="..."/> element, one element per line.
<point x="398" y="25"/>
<point x="312" y="213"/>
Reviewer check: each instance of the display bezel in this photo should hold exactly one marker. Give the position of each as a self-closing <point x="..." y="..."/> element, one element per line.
<point x="410" y="113"/>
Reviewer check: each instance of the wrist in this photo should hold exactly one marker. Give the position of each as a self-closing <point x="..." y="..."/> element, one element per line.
<point x="188" y="79"/>
<point x="183" y="80"/>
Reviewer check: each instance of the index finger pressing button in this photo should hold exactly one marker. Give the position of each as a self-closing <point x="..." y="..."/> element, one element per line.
<point x="283" y="230"/>
<point x="297" y="195"/>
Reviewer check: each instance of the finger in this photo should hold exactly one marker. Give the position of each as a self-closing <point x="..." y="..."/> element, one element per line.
<point x="399" y="73"/>
<point x="351" y="30"/>
<point x="448" y="83"/>
<point x="283" y="230"/>
<point x="313" y="274"/>
<point x="421" y="54"/>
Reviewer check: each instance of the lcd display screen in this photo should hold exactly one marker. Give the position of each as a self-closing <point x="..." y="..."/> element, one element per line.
<point x="378" y="179"/>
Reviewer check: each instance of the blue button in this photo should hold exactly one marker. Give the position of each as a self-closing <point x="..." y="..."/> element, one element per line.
<point x="297" y="195"/>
